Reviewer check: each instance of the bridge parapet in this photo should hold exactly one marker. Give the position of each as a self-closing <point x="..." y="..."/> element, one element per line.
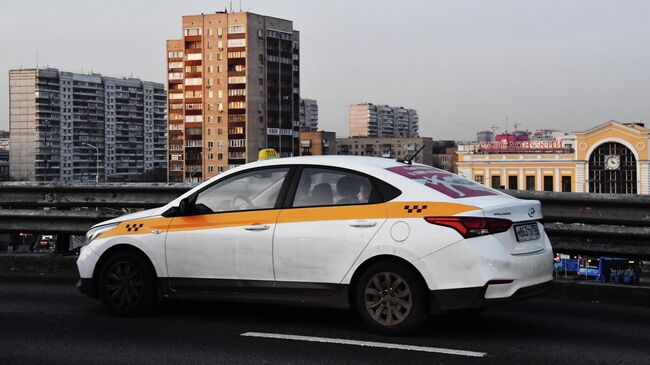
<point x="603" y="224"/>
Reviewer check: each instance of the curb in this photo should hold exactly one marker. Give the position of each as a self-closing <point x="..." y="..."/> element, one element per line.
<point x="585" y="291"/>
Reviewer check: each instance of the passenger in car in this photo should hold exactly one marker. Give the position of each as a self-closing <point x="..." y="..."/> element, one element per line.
<point x="349" y="188"/>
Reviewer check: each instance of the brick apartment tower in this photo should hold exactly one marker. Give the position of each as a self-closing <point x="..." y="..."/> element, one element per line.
<point x="234" y="88"/>
<point x="369" y="120"/>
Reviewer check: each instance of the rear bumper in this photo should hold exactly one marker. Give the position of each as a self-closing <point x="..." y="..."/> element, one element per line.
<point x="450" y="299"/>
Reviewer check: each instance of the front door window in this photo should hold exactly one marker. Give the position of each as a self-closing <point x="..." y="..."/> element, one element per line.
<point x="253" y="190"/>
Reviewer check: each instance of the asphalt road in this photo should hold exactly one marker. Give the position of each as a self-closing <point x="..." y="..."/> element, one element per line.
<point x="48" y="321"/>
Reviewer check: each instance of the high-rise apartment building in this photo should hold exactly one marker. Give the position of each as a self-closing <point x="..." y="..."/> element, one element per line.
<point x="395" y="148"/>
<point x="308" y="115"/>
<point x="234" y="88"/>
<point x="369" y="120"/>
<point x="77" y="127"/>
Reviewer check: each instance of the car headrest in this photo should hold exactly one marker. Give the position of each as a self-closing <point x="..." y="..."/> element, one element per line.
<point x="348" y="186"/>
<point x="322" y="194"/>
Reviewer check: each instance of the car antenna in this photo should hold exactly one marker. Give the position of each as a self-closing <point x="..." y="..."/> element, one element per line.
<point x="409" y="160"/>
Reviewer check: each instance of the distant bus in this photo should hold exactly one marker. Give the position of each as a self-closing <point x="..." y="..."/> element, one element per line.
<point x="613" y="270"/>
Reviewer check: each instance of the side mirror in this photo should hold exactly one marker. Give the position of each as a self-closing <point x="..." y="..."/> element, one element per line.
<point x="185" y="207"/>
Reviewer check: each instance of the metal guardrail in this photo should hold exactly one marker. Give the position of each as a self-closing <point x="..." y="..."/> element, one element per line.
<point x="605" y="224"/>
<point x="112" y="195"/>
<point x="73" y="209"/>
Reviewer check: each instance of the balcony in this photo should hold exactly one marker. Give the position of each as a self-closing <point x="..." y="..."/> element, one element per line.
<point x="194" y="143"/>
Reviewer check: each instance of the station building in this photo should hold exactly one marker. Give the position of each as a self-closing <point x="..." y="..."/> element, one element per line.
<point x="609" y="158"/>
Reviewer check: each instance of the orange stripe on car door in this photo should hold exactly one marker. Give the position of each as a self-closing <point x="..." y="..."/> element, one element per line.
<point x="307" y="214"/>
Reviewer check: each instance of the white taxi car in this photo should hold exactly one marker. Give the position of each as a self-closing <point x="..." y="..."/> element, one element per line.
<point x="395" y="241"/>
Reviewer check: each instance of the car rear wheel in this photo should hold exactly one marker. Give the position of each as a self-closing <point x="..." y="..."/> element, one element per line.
<point x="390" y="299"/>
<point x="127" y="285"/>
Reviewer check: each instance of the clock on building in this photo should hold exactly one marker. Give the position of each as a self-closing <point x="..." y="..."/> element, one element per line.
<point x="612" y="162"/>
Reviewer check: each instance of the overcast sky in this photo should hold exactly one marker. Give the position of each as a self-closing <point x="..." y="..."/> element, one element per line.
<point x="463" y="65"/>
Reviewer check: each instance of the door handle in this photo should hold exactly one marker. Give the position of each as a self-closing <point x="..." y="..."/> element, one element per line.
<point x="257" y="227"/>
<point x="363" y="224"/>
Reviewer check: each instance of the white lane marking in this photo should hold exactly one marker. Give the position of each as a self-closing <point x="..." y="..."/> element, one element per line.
<point x="386" y="345"/>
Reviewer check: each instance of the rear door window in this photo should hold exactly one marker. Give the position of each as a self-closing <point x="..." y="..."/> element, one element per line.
<point x="441" y="181"/>
<point x="323" y="187"/>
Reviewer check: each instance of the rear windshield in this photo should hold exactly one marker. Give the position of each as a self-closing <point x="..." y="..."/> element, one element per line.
<point x="442" y="181"/>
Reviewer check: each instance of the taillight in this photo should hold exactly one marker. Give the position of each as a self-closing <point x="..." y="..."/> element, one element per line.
<point x="472" y="226"/>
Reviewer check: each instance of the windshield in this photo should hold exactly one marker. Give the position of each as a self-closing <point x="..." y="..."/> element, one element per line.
<point x="442" y="181"/>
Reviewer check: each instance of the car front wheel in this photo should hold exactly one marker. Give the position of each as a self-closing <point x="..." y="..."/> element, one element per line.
<point x="127" y="285"/>
<point x="391" y="299"/>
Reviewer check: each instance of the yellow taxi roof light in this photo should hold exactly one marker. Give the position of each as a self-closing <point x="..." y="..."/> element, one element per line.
<point x="267" y="153"/>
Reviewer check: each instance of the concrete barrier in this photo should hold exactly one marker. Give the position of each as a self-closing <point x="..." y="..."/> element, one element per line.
<point x="36" y="263"/>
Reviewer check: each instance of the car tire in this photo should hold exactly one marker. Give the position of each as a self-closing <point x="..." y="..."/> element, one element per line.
<point x="127" y="285"/>
<point x="391" y="299"/>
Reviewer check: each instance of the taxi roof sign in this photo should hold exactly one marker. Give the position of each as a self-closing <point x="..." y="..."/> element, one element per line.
<point x="267" y="153"/>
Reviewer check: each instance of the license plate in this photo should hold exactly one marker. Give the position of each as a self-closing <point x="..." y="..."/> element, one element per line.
<point x="527" y="232"/>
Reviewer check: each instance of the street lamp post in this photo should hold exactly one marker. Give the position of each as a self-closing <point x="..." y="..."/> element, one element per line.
<point x="96" y="160"/>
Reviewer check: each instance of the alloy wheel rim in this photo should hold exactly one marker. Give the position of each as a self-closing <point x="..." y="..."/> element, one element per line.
<point x="388" y="299"/>
<point x="124" y="285"/>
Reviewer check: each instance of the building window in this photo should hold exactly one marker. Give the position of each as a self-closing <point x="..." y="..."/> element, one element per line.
<point x="237" y="80"/>
<point x="548" y="183"/>
<point x="192" y="31"/>
<point x="241" y="42"/>
<point x="479" y="179"/>
<point x="194" y="57"/>
<point x="566" y="184"/>
<point x="237" y="54"/>
<point x="496" y="182"/>
<point x="237" y="143"/>
<point x="530" y="183"/>
<point x="513" y="183"/>
<point x="194" y="81"/>
<point x="232" y="29"/>
<point x="612" y="170"/>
